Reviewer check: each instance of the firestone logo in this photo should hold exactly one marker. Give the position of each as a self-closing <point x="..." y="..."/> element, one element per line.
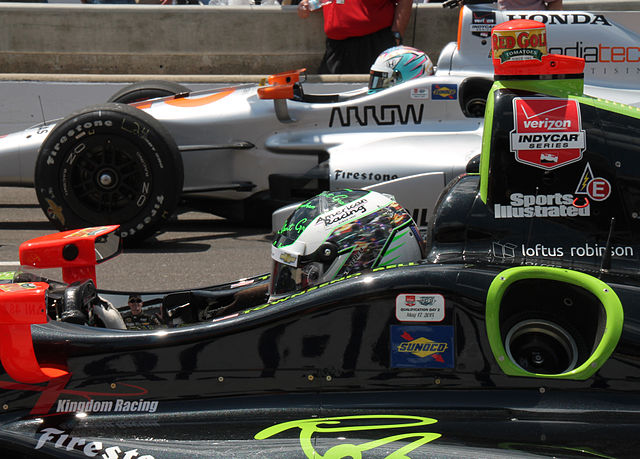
<point x="548" y="132"/>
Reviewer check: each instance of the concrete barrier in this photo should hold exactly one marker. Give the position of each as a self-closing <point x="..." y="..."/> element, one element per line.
<point x="189" y="40"/>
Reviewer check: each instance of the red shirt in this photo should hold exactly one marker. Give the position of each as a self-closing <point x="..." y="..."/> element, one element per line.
<point x="355" y="18"/>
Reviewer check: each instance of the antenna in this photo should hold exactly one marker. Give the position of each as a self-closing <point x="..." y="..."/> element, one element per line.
<point x="606" y="258"/>
<point x="44" y="121"/>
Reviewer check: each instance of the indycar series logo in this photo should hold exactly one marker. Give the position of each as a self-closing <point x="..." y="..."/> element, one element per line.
<point x="548" y="132"/>
<point x="482" y="22"/>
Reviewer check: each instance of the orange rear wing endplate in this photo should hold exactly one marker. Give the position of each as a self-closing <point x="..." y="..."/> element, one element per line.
<point x="22" y="305"/>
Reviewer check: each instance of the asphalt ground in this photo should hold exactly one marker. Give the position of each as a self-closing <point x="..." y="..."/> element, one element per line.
<point x="196" y="250"/>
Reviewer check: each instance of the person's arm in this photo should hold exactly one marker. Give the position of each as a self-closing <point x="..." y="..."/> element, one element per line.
<point x="401" y="16"/>
<point x="303" y="9"/>
<point x="556" y="5"/>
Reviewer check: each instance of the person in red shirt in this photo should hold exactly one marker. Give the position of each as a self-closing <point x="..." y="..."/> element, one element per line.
<point x="358" y="30"/>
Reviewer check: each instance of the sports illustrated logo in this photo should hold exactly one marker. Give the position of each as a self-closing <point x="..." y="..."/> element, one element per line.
<point x="548" y="132"/>
<point x="597" y="188"/>
<point x="538" y="206"/>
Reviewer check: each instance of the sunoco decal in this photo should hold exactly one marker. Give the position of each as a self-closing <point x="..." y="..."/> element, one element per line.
<point x="65" y="442"/>
<point x="406" y="435"/>
<point x="415" y="346"/>
<point x="444" y="91"/>
<point x="548" y="132"/>
<point x="417" y="307"/>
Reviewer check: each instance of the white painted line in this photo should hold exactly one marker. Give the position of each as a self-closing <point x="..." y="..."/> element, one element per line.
<point x="9" y="263"/>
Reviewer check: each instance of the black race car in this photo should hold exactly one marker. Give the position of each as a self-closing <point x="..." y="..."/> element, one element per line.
<point x="516" y="336"/>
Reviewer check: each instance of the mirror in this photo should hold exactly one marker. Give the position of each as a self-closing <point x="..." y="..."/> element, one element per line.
<point x="107" y="247"/>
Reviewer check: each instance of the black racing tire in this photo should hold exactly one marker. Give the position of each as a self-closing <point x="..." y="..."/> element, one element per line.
<point x="109" y="164"/>
<point x="144" y="90"/>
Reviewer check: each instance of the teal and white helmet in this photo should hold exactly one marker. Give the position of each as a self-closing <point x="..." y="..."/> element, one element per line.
<point x="397" y="65"/>
<point x="338" y="233"/>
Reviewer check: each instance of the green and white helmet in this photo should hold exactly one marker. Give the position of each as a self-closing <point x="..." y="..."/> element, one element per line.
<point x="338" y="233"/>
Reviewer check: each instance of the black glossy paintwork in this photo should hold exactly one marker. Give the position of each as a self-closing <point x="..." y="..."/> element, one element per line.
<point x="207" y="389"/>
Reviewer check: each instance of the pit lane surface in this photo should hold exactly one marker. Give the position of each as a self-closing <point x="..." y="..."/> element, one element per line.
<point x="196" y="250"/>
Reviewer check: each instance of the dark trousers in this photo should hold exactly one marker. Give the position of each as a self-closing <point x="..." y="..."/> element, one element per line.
<point x="356" y="54"/>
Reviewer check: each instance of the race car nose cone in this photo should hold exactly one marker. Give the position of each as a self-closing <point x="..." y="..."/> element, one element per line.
<point x="519" y="49"/>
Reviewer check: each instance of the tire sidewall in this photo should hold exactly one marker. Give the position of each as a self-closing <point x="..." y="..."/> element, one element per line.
<point x="159" y="192"/>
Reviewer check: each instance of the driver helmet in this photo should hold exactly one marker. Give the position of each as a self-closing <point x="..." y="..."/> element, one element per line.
<point x="397" y="65"/>
<point x="338" y="233"/>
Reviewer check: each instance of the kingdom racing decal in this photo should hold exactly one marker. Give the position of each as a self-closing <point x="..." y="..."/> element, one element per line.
<point x="414" y="346"/>
<point x="311" y="428"/>
<point x="548" y="132"/>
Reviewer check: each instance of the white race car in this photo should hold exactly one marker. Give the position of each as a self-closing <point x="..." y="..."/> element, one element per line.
<point x="243" y="151"/>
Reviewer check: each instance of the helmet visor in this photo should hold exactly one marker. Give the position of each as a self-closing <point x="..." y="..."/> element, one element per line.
<point x="287" y="279"/>
<point x="379" y="80"/>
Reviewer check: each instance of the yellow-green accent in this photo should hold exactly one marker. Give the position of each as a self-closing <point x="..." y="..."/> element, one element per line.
<point x="613" y="321"/>
<point x="310" y="426"/>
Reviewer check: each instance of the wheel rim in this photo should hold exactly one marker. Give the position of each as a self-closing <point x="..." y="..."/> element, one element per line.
<point x="108" y="181"/>
<point x="541" y="346"/>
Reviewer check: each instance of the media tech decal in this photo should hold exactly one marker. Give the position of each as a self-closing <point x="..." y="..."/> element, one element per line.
<point x="548" y="132"/>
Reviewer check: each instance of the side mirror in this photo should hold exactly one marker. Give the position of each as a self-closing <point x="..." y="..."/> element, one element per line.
<point x="76" y="251"/>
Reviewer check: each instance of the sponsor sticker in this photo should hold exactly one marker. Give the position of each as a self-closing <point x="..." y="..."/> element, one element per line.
<point x="420" y="307"/>
<point x="482" y="22"/>
<point x="63" y="440"/>
<point x="284" y="256"/>
<point x="419" y="93"/>
<point x="541" y="205"/>
<point x="597" y="188"/>
<point x="444" y="91"/>
<point x="417" y="346"/>
<point x="17" y="287"/>
<point x="548" y="132"/>
<point x="86" y="232"/>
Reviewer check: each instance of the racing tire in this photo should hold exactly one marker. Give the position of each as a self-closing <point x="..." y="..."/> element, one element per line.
<point x="109" y="164"/>
<point x="144" y="90"/>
